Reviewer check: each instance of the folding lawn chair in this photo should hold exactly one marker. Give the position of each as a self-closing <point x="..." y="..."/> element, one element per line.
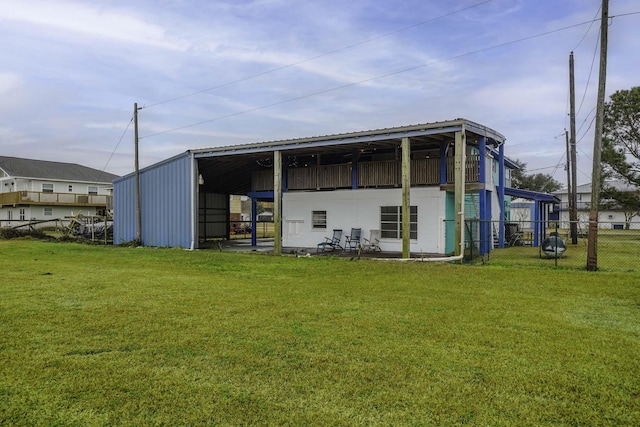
<point x="331" y="243"/>
<point x="352" y="241"/>
<point x="372" y="244"/>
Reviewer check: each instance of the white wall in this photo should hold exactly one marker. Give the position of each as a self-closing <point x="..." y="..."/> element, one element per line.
<point x="606" y="219"/>
<point x="37" y="212"/>
<point x="348" y="209"/>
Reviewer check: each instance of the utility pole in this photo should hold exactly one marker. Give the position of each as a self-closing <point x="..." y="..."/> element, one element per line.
<point x="573" y="200"/>
<point x="568" y="169"/>
<point x="137" y="166"/>
<point x="592" y="243"/>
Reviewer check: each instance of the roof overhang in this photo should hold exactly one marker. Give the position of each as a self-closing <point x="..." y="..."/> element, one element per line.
<point x="413" y="131"/>
<point x="531" y="195"/>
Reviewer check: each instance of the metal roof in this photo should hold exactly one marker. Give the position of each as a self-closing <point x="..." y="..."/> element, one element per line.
<point x="531" y="195"/>
<point x="42" y="169"/>
<point x="228" y="169"/>
<point x="425" y="129"/>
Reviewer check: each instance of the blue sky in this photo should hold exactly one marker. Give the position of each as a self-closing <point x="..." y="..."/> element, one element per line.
<point x="212" y="73"/>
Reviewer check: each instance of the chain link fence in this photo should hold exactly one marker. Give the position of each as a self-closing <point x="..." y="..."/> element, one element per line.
<point x="531" y="243"/>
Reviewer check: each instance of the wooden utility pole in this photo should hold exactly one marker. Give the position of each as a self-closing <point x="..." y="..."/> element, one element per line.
<point x="277" y="202"/>
<point x="568" y="168"/>
<point x="573" y="199"/>
<point x="592" y="244"/>
<point x="137" y="166"/>
<point x="460" y="161"/>
<point x="406" y="203"/>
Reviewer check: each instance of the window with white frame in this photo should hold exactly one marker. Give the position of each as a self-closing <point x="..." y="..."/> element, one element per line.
<point x="22" y="214"/>
<point x="319" y="220"/>
<point x="70" y="188"/>
<point x="93" y="190"/>
<point x="391" y="222"/>
<point x="47" y="188"/>
<point x="48" y="211"/>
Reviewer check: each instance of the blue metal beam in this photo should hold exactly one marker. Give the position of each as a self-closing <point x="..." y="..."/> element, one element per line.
<point x="316" y="143"/>
<point x="443" y="163"/>
<point x="355" y="157"/>
<point x="483" y="220"/>
<point x="501" y="187"/>
<point x="254" y="221"/>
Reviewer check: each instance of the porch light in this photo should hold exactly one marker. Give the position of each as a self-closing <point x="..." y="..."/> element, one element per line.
<point x="200" y="180"/>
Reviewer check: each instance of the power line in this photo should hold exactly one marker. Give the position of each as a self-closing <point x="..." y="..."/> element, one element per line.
<point x="590" y="124"/>
<point x="595" y="18"/>
<point x="404" y="70"/>
<point x="351" y="46"/>
<point x="593" y="60"/>
<point x="118" y="144"/>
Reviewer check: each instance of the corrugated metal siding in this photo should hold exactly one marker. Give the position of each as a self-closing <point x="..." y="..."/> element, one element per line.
<point x="165" y="198"/>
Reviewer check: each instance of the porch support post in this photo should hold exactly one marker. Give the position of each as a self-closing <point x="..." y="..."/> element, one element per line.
<point x="277" y="202"/>
<point x="443" y="163"/>
<point x="459" y="186"/>
<point x="501" y="185"/>
<point x="406" y="202"/>
<point x="484" y="221"/>
<point x="354" y="169"/>
<point x="254" y="221"/>
<point x="536" y="224"/>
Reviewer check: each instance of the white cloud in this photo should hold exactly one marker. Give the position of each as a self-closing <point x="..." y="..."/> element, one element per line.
<point x="72" y="70"/>
<point x="86" y="20"/>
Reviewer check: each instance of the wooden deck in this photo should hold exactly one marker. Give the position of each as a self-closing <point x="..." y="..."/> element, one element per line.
<point x="16" y="198"/>
<point x="378" y="174"/>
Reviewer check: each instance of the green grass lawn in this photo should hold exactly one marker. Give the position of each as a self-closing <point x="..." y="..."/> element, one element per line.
<point x="106" y="336"/>
<point x="618" y="250"/>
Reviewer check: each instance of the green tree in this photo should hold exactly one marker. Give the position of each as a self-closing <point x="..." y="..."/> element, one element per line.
<point x="541" y="182"/>
<point x="621" y="136"/>
<point x="627" y="201"/>
<point x="621" y="151"/>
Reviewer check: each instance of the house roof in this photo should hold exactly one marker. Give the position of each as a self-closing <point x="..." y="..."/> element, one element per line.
<point x="586" y="188"/>
<point x="42" y="169"/>
<point x="426" y="130"/>
<point x="228" y="169"/>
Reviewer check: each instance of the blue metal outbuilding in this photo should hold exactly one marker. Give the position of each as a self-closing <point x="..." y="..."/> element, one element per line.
<point x="166" y="204"/>
<point x="184" y="200"/>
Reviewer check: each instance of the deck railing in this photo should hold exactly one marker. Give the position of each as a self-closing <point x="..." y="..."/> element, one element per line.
<point x="472" y="171"/>
<point x="381" y="174"/>
<point x="68" y="199"/>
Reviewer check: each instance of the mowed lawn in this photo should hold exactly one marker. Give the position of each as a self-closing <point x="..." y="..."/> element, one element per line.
<point x="103" y="336"/>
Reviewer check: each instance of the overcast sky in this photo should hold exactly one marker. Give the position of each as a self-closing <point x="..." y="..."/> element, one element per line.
<point x="210" y="73"/>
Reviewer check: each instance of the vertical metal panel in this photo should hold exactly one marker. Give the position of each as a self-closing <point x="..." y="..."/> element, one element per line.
<point x="165" y="197"/>
<point x="124" y="210"/>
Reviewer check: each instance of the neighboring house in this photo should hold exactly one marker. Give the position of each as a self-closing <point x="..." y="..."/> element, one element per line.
<point x="317" y="184"/>
<point x="613" y="218"/>
<point x="44" y="190"/>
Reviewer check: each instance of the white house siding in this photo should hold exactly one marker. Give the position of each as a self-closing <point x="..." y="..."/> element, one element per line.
<point x="21" y="184"/>
<point x="606" y="220"/>
<point x="490" y="171"/>
<point x="348" y="209"/>
<point x="10" y="215"/>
